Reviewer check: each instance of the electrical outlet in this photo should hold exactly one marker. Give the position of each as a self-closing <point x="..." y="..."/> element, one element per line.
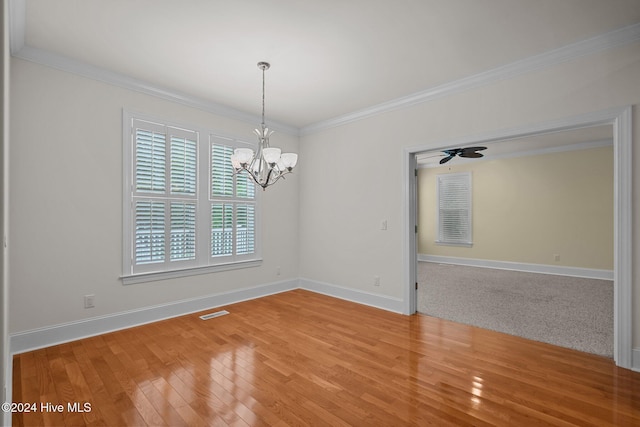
<point x="278" y="271"/>
<point x="556" y="257"/>
<point x="89" y="301"/>
<point x="376" y="280"/>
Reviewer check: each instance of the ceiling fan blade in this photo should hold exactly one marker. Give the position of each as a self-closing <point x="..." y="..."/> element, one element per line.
<point x="471" y="154"/>
<point x="471" y="150"/>
<point x="446" y="159"/>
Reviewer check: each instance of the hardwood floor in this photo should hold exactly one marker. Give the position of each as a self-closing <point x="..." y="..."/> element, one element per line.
<point x="300" y="358"/>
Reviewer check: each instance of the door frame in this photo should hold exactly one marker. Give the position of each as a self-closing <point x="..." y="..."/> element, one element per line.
<point x="621" y="120"/>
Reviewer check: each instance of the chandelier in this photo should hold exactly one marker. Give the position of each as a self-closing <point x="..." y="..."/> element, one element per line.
<point x="267" y="165"/>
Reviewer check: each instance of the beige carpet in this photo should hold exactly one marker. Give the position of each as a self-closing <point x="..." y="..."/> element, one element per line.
<point x="566" y="311"/>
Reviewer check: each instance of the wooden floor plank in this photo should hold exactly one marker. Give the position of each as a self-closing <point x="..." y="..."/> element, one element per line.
<point x="300" y="358"/>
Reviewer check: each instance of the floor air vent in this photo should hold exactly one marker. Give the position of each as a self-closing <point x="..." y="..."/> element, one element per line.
<point x="212" y="315"/>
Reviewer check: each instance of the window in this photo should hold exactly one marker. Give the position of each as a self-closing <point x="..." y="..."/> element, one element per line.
<point x="233" y="209"/>
<point x="184" y="209"/>
<point x="454" y="209"/>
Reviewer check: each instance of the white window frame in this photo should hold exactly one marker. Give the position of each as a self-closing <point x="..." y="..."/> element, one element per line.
<point x="203" y="262"/>
<point x="467" y="202"/>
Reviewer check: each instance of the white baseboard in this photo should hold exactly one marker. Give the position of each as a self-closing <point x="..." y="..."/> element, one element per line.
<point x="635" y="360"/>
<point x="61" y="333"/>
<point x="66" y="332"/>
<point x="384" y="302"/>
<point x="57" y="334"/>
<point x="589" y="273"/>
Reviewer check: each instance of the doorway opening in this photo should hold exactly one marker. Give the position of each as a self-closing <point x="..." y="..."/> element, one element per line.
<point x="620" y="120"/>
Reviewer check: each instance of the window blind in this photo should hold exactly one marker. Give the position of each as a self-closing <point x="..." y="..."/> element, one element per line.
<point x="454" y="208"/>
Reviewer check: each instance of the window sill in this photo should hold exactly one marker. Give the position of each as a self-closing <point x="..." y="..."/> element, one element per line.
<point x="460" y="244"/>
<point x="163" y="275"/>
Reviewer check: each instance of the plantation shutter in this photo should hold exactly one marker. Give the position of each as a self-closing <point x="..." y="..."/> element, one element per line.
<point x="164" y="195"/>
<point x="150" y="161"/>
<point x="184" y="206"/>
<point x="245" y="188"/>
<point x="221" y="170"/>
<point x="183" y="165"/>
<point x="221" y="229"/>
<point x="245" y="229"/>
<point x="454" y="208"/>
<point x="233" y="207"/>
<point x="183" y="231"/>
<point x="149" y="232"/>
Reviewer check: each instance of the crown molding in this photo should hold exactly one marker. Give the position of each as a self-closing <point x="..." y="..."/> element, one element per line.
<point x="17" y="11"/>
<point x="63" y="63"/>
<point x="612" y="39"/>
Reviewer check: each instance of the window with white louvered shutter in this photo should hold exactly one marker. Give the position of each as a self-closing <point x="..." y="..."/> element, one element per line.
<point x="164" y="215"/>
<point x="233" y="206"/>
<point x="185" y="208"/>
<point x="454" y="208"/>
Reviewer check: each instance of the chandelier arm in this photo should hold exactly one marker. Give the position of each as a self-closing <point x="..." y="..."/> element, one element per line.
<point x="267" y="182"/>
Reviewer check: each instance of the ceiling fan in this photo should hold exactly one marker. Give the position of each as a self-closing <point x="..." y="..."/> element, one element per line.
<point x="462" y="152"/>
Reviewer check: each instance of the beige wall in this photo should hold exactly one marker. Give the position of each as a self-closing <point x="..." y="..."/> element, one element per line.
<point x="528" y="209"/>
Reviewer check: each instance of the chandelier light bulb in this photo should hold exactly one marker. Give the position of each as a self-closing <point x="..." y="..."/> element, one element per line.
<point x="271" y="155"/>
<point x="289" y="160"/>
<point x="243" y="155"/>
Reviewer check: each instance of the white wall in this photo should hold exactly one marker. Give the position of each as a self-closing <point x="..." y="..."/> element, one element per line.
<point x="4" y="212"/>
<point x="354" y="176"/>
<point x="66" y="202"/>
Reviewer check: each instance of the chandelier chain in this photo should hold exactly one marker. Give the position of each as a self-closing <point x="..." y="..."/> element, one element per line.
<point x="263" y="69"/>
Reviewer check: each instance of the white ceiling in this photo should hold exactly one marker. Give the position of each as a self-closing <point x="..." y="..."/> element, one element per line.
<point x="329" y="58"/>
